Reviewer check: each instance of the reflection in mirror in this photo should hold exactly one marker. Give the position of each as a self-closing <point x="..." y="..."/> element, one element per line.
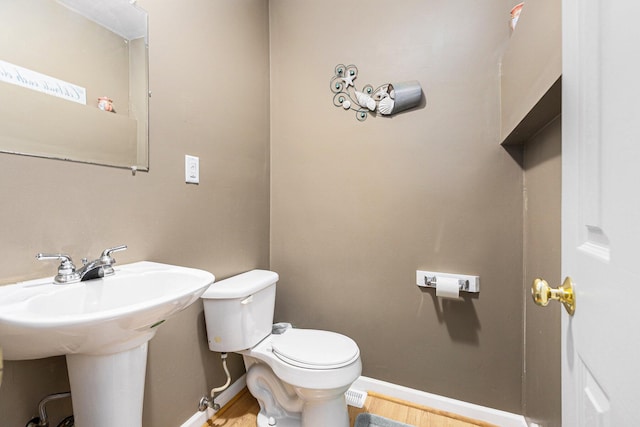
<point x="74" y="81"/>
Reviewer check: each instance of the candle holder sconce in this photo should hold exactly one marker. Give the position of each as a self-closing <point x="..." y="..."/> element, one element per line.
<point x="386" y="99"/>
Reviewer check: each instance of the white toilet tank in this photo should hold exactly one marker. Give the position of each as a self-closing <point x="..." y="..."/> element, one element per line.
<point x="239" y="310"/>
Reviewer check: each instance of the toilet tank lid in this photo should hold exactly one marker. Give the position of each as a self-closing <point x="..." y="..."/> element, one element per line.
<point x="242" y="285"/>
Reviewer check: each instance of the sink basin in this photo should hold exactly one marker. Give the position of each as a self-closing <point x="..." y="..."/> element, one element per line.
<point x="40" y="319"/>
<point x="102" y="326"/>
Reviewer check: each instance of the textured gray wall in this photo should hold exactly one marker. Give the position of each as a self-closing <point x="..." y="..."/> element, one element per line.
<point x="210" y="86"/>
<point x="356" y="207"/>
<point x="542" y="179"/>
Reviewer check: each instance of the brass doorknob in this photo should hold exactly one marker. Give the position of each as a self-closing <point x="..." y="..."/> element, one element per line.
<point x="542" y="293"/>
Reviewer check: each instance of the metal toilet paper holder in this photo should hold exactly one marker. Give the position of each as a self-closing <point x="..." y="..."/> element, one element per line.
<point x="429" y="279"/>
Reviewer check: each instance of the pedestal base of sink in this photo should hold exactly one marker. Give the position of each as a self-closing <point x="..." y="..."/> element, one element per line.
<point x="108" y="390"/>
<point x="102" y="325"/>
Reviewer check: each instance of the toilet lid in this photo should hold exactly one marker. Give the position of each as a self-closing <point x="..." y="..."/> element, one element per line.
<point x="312" y="349"/>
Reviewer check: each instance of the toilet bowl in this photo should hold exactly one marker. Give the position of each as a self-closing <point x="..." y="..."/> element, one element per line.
<point x="298" y="376"/>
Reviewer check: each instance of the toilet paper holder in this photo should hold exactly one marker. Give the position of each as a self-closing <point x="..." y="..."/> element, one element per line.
<point x="429" y="279"/>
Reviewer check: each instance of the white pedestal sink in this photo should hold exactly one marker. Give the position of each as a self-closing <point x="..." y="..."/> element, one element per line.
<point x="102" y="326"/>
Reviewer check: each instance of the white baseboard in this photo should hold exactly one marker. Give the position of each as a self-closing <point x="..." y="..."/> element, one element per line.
<point x="470" y="410"/>
<point x="477" y="412"/>
<point x="199" y="418"/>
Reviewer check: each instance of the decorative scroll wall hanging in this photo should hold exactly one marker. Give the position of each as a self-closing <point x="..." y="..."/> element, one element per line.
<point x="385" y="100"/>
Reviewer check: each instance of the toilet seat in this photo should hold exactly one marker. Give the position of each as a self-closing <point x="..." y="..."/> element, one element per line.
<point x="314" y="349"/>
<point x="307" y="358"/>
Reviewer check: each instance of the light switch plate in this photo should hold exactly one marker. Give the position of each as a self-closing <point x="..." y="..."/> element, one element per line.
<point x="191" y="169"/>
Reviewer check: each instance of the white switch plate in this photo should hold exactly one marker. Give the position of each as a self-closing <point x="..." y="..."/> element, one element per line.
<point x="191" y="169"/>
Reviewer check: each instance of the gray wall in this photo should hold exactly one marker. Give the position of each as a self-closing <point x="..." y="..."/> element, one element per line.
<point x="542" y="184"/>
<point x="210" y="86"/>
<point x="356" y="207"/>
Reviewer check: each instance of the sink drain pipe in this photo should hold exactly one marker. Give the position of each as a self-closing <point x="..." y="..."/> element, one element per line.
<point x="208" y="402"/>
<point x="43" y="420"/>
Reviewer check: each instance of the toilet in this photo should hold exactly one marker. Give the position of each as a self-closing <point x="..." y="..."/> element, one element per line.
<point x="298" y="376"/>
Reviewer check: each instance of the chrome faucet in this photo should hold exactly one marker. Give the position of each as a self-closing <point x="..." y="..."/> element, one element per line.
<point x="95" y="269"/>
<point x="100" y="267"/>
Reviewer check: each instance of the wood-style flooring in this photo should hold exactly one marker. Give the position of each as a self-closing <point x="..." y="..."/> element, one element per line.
<point x="243" y="409"/>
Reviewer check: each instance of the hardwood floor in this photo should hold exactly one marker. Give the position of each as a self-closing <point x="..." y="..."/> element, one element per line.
<point x="243" y="409"/>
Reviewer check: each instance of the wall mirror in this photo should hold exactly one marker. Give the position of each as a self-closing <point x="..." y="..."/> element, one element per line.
<point x="74" y="81"/>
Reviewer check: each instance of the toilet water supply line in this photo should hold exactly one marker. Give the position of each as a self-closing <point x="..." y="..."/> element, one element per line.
<point x="206" y="402"/>
<point x="223" y="387"/>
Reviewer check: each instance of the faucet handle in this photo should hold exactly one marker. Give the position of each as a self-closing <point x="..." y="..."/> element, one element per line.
<point x="107" y="260"/>
<point x="66" y="270"/>
<point x="106" y="257"/>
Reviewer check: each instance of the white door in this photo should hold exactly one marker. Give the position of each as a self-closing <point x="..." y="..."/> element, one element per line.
<point x="601" y="212"/>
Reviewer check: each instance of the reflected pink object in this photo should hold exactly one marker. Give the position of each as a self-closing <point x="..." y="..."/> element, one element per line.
<point x="515" y="15"/>
<point x="106" y="104"/>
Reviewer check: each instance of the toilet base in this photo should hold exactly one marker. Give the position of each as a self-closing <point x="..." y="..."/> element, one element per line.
<point x="263" y="421"/>
<point x="283" y="405"/>
<point x="324" y="408"/>
<point x="318" y="415"/>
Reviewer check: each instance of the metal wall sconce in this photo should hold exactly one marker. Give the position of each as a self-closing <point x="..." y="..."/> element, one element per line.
<point x="385" y="100"/>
